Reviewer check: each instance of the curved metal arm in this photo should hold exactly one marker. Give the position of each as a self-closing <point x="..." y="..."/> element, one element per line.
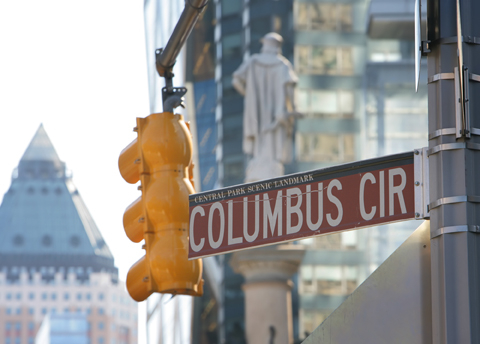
<point x="166" y="60"/>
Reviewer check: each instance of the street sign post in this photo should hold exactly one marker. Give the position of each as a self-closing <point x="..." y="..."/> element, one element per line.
<point x="292" y="207"/>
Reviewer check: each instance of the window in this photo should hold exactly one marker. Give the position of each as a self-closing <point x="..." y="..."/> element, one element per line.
<point x="100" y="340"/>
<point x="66" y="296"/>
<point x="44" y="311"/>
<point x="9" y="311"/>
<point x="324" y="60"/>
<point x="101" y="296"/>
<point x="31" y="325"/>
<point x="31" y="311"/>
<point x="326" y="103"/>
<point x="54" y="296"/>
<point x="31" y="296"/>
<point x="231" y="46"/>
<point x="18" y="326"/>
<point x="101" y="325"/>
<point x="231" y="7"/>
<point x="324" y="17"/>
<point x="79" y="296"/>
<point x="100" y="311"/>
<point x="9" y="296"/>
<point x="317" y="147"/>
<point x="44" y="296"/>
<point x="88" y="296"/>
<point x="8" y="326"/>
<point x="19" y="296"/>
<point x="18" y="311"/>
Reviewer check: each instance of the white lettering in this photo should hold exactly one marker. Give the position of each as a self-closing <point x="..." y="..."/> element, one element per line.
<point x="371" y="214"/>
<point x="294" y="210"/>
<point x="247" y="236"/>
<point x="219" y="207"/>
<point x="392" y="190"/>
<point x="197" y="210"/>
<point x="231" y="239"/>
<point x="382" y="193"/>
<point x="314" y="226"/>
<point x="334" y="183"/>
<point x="272" y="218"/>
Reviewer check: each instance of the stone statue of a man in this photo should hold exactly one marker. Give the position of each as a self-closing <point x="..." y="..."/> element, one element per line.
<point x="267" y="81"/>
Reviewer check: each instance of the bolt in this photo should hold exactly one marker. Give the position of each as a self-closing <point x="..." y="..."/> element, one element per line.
<point x="416" y="152"/>
<point x="417" y="215"/>
<point x="417" y="183"/>
<point x="145" y="279"/>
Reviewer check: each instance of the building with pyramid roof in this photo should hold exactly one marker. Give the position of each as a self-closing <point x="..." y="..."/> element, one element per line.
<point x="53" y="258"/>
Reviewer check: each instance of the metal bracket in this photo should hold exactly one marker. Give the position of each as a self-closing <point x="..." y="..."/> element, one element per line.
<point x="172" y="97"/>
<point x="426" y="48"/>
<point x="450" y="131"/>
<point x="422" y="196"/>
<point x="462" y="107"/>
<point x="440" y="76"/>
<point x="453" y="200"/>
<point x="454" y="229"/>
<point x="453" y="146"/>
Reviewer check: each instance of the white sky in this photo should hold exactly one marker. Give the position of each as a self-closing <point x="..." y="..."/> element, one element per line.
<point x="78" y="67"/>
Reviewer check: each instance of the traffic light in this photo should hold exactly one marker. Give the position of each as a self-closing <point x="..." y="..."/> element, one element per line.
<point x="160" y="158"/>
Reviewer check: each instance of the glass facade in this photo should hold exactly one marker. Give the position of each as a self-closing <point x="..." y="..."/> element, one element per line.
<point x="64" y="328"/>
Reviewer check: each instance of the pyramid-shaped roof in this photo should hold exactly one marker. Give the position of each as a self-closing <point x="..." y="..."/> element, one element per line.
<point x="43" y="219"/>
<point x="40" y="148"/>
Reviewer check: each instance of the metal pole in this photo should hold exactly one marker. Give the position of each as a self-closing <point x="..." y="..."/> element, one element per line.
<point x="188" y="18"/>
<point x="454" y="161"/>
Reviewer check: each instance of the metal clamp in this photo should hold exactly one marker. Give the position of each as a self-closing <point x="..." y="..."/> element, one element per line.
<point x="440" y="132"/>
<point x="454" y="40"/>
<point x="425" y="47"/>
<point x="441" y="76"/>
<point x="474" y="77"/>
<point x="450" y="131"/>
<point x="422" y="196"/>
<point x="453" y="200"/>
<point x="452" y="146"/>
<point x="454" y="229"/>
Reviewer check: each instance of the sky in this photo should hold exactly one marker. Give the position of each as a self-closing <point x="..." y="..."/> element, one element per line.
<point x="78" y="67"/>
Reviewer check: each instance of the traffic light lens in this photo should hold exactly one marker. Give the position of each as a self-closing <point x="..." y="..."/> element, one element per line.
<point x="133" y="221"/>
<point x="128" y="163"/>
<point x="138" y="283"/>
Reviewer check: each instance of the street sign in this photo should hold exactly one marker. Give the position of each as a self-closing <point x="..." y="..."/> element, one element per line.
<point x="334" y="199"/>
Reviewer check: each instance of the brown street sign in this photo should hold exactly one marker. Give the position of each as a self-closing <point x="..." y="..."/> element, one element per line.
<point x="292" y="207"/>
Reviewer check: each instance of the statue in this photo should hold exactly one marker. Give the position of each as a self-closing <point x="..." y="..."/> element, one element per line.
<point x="267" y="82"/>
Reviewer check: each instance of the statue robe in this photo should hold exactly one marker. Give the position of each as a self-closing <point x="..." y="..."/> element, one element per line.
<point x="267" y="122"/>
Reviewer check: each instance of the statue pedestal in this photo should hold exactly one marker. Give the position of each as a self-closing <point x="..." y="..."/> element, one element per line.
<point x="268" y="304"/>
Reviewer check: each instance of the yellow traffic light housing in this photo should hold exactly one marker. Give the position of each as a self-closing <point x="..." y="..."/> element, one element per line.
<point x="160" y="158"/>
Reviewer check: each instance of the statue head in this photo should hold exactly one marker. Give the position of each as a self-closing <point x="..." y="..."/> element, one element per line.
<point x="272" y="42"/>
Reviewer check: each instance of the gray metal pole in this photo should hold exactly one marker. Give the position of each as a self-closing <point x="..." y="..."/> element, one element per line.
<point x="454" y="154"/>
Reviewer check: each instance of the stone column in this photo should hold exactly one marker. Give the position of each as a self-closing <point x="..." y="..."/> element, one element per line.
<point x="268" y="302"/>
